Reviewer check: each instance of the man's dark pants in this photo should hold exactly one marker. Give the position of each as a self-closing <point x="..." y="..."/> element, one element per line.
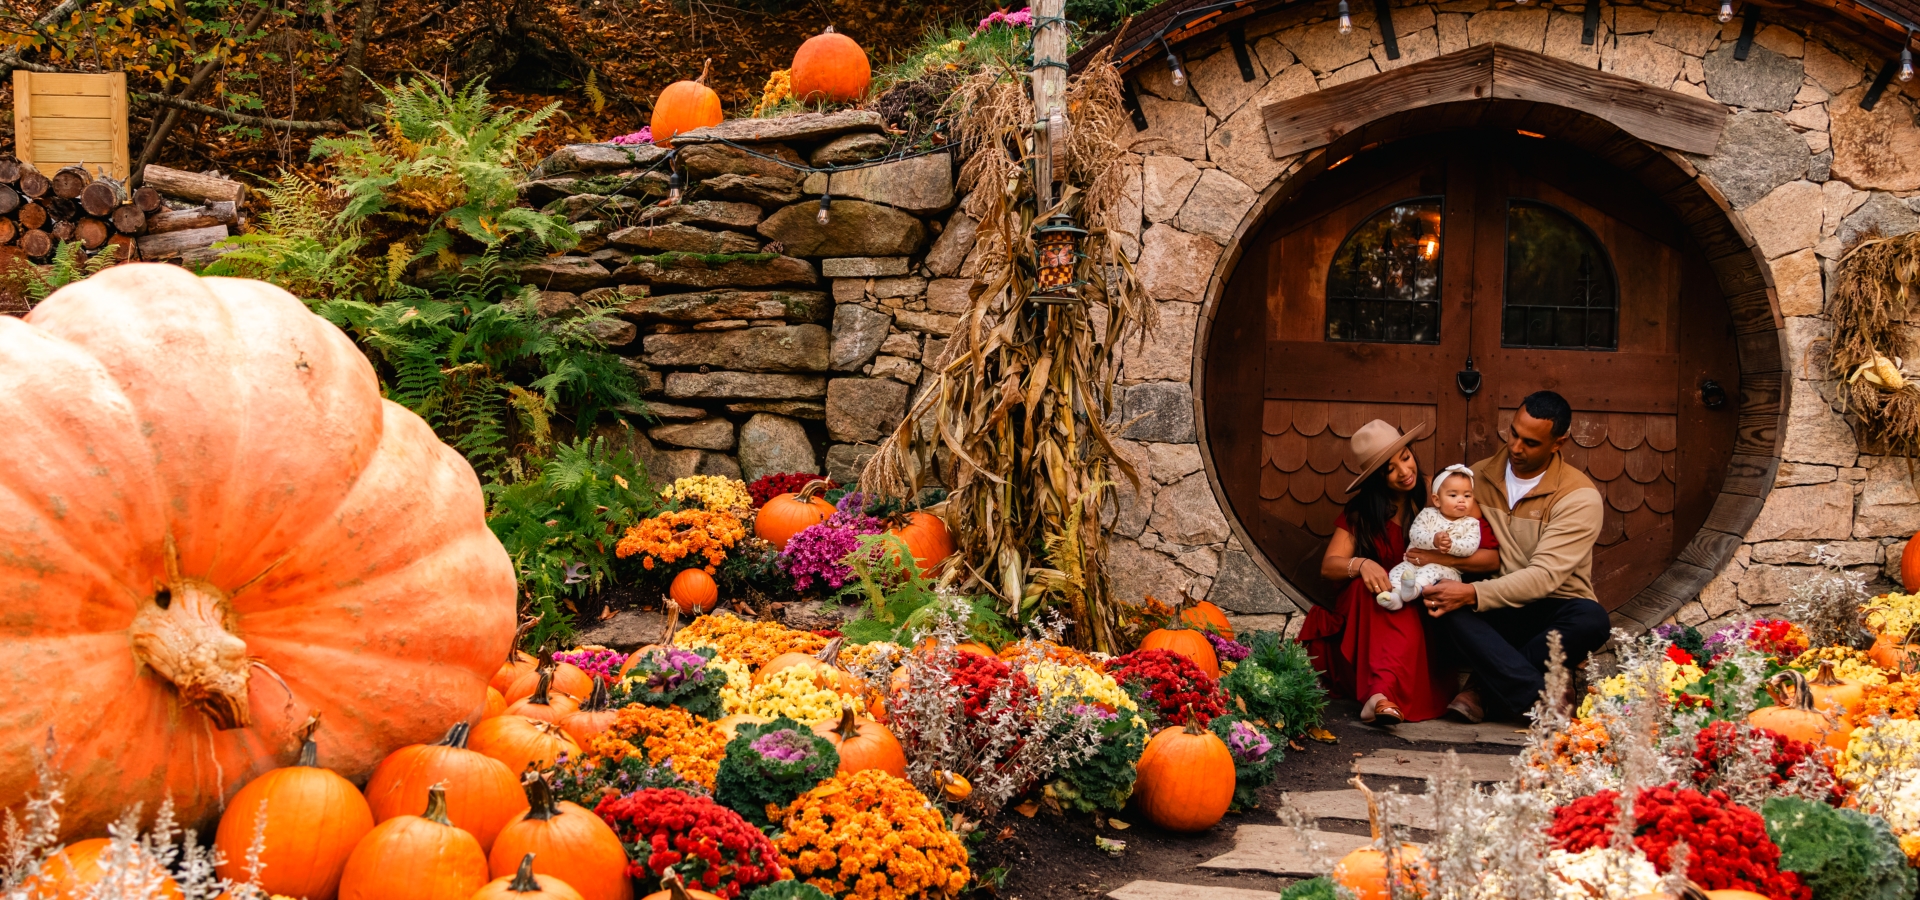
<point x="1507" y="648"/>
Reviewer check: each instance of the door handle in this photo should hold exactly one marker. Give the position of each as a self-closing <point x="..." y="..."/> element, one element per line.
<point x="1468" y="380"/>
<point x="1712" y="394"/>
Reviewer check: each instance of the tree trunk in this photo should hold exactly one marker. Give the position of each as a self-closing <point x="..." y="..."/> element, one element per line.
<point x="32" y="183"/>
<point x="175" y="243"/>
<point x="70" y="181"/>
<point x="157" y="138"/>
<point x="194" y="186"/>
<point x="36" y="243"/>
<point x="33" y="215"/>
<point x="100" y="197"/>
<point x="219" y="213"/>
<point x="128" y="219"/>
<point x="92" y="233"/>
<point x="350" y="68"/>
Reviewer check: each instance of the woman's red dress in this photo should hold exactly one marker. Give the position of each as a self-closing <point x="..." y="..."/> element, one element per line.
<point x="1364" y="650"/>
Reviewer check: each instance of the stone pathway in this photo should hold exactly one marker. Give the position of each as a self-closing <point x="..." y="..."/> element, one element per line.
<point x="1167" y="890"/>
<point x="1278" y="849"/>
<point x="1445" y="732"/>
<point x="1423" y="763"/>
<point x="1350" y="805"/>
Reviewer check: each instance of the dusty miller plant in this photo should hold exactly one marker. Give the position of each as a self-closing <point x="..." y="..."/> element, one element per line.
<point x="1488" y="843"/>
<point x="1828" y="604"/>
<point x="1016" y="741"/>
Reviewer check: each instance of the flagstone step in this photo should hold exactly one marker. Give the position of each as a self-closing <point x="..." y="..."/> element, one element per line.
<point x="1445" y="732"/>
<point x="1416" y="809"/>
<point x="1278" y="849"/>
<point x="1424" y="763"/>
<point x="1167" y="890"/>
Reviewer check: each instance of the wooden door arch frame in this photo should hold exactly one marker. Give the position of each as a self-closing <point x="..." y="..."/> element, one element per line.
<point x="1746" y="285"/>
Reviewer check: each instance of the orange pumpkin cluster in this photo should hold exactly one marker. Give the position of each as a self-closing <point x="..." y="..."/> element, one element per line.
<point x="1901" y="700"/>
<point x="872" y="836"/>
<point x="753" y="643"/>
<point x="678" y="534"/>
<point x="656" y="733"/>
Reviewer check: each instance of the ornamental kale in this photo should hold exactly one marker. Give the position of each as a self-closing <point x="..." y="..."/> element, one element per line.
<point x="1254" y="758"/>
<point x="671" y="676"/>
<point x="1103" y="781"/>
<point x="1322" y="888"/>
<point x="770" y="766"/>
<point x="789" y="890"/>
<point x="1277" y="685"/>
<point x="1841" y="853"/>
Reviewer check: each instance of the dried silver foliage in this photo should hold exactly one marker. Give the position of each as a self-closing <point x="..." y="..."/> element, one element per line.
<point x="1828" y="604"/>
<point x="1488" y="843"/>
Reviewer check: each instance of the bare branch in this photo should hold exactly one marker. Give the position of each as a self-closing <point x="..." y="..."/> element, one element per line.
<point x="241" y="118"/>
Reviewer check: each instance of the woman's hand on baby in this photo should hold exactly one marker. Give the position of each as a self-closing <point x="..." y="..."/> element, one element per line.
<point x="1442" y="542"/>
<point x="1418" y="557"/>
<point x="1374" y="576"/>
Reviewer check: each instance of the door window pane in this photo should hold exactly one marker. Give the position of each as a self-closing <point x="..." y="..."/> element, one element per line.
<point x="1561" y="292"/>
<point x="1384" y="285"/>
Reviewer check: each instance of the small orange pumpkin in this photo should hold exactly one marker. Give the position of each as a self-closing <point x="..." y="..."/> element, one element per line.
<point x="1184" y="779"/>
<point x="545" y="703"/>
<point x="482" y="793"/>
<point x="694" y="590"/>
<point x="572" y="844"/>
<point x="864" y="744"/>
<point x="496" y="704"/>
<point x="1896" y="654"/>
<point x="594" y="716"/>
<point x="566" y="678"/>
<point x="521" y="742"/>
<point x="1836" y="696"/>
<point x="1188" y="643"/>
<point x="519" y="662"/>
<point x="1207" y="617"/>
<point x="525" y="885"/>
<point x="830" y="67"/>
<point x="73" y="873"/>
<point x="788" y="514"/>
<point x="730" y="725"/>
<point x="927" y="538"/>
<point x="1795" y="715"/>
<point x="675" y="889"/>
<point x="1910" y="566"/>
<point x="313" y="818"/>
<point x="421" y="857"/>
<point x="1364" y="871"/>
<point x="684" y="106"/>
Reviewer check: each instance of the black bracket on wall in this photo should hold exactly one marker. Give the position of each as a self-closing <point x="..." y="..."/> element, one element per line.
<point x="1879" y="86"/>
<point x="1590" y="27"/>
<point x="1383" y="14"/>
<point x="1130" y="101"/>
<point x="1237" y="36"/>
<point x="1749" y="23"/>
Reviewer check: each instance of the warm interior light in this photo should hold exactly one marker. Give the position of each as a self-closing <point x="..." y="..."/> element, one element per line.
<point x="1342" y="161"/>
<point x="1526" y="133"/>
<point x="1429" y="246"/>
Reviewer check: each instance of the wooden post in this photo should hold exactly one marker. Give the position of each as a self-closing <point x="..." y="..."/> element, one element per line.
<point x="1049" y="89"/>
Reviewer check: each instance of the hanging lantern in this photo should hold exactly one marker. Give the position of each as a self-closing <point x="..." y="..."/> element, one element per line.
<point x="1057" y="252"/>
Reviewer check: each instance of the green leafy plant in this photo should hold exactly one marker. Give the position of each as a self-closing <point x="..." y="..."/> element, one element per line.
<point x="69" y="264"/>
<point x="673" y="676"/>
<point x="1322" y="888"/>
<point x="1841" y="853"/>
<point x="771" y="765"/>
<point x="587" y="780"/>
<point x="789" y="890"/>
<point x="898" y="603"/>
<point x="1103" y="781"/>
<point x="1277" y="685"/>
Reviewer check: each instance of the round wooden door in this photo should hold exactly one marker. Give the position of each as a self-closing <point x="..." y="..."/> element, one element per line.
<point x="1440" y="280"/>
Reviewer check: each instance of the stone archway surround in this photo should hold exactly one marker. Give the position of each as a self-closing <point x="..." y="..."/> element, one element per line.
<point x="1202" y="140"/>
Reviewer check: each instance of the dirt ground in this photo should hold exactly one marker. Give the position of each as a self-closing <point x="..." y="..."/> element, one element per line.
<point x="1052" y="857"/>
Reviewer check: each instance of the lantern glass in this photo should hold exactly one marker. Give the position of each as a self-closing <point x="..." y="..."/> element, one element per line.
<point x="1057" y="245"/>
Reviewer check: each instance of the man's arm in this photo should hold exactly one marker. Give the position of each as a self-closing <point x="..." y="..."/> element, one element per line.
<point x="1568" y="538"/>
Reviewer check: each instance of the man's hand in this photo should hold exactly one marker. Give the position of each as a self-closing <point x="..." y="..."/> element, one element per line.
<point x="1446" y="596"/>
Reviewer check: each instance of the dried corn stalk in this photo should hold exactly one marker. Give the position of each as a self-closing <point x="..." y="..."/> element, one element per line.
<point x="1873" y="297"/>
<point x="1014" y="412"/>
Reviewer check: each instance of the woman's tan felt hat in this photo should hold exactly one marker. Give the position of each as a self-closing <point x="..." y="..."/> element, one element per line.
<point x="1374" y="444"/>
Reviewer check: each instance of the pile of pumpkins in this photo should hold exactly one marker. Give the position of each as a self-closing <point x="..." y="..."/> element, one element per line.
<point x="830" y="67"/>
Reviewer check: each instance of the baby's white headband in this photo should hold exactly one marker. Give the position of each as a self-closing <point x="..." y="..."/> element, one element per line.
<point x="1449" y="472"/>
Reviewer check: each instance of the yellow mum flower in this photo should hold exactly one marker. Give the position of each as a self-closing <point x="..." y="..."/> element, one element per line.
<point x="1054" y="679"/>
<point x="793" y="693"/>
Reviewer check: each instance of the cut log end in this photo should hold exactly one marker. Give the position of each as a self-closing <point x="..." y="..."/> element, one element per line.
<point x="36" y="243"/>
<point x="32" y="183"/>
<point x="92" y="233"/>
<point x="99" y="198"/>
<point x="32" y="215"/>
<point x="147" y="199"/>
<point x="70" y="181"/>
<point x="128" y="219"/>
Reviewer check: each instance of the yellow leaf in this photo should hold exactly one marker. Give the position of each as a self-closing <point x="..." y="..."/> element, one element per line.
<point x="1323" y="736"/>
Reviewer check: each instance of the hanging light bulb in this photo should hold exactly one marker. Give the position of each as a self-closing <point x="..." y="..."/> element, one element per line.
<point x="1173" y="63"/>
<point x="675" y="181"/>
<point x="1726" y="10"/>
<point x="1906" y="59"/>
<point x="826" y="203"/>
<point x="1346" y="18"/>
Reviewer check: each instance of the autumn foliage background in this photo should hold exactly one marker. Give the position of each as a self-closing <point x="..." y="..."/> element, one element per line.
<point x="603" y="60"/>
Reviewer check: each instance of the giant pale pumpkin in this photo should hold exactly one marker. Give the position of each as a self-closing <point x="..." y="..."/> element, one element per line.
<point x="214" y="529"/>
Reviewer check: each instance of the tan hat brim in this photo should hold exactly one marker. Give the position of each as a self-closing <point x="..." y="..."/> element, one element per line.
<point x="1380" y="459"/>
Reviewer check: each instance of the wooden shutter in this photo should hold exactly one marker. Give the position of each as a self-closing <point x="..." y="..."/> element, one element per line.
<point x="67" y="119"/>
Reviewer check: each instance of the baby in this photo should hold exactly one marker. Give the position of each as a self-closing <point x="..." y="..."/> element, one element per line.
<point x="1451" y="514"/>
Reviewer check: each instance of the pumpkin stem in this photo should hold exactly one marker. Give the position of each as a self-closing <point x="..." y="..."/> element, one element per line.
<point x="706" y="69"/>
<point x="309" y="751"/>
<point x="598" y="701"/>
<point x="676" y="889"/>
<point x="1825" y="677"/>
<point x="1193" y="721"/>
<point x="540" y="696"/>
<point x="457" y="736"/>
<point x="540" y="802"/>
<point x="1373" y="805"/>
<point x="437" y="805"/>
<point x="184" y="634"/>
<point x="523" y="880"/>
<point x="673" y="622"/>
<point x="814" y="489"/>
<point x="513" y="649"/>
<point x="847" y="728"/>
<point x="1802" y="698"/>
<point x="830" y="654"/>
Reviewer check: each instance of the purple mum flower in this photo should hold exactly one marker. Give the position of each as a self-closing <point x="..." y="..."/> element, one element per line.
<point x="1229" y="650"/>
<point x="1247" y="743"/>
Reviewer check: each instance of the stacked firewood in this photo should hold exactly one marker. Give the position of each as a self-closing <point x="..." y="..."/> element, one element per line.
<point x="173" y="215"/>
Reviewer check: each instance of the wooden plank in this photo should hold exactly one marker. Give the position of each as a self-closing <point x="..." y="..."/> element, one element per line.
<point x="1323" y="370"/>
<point x="74" y="83"/>
<point x="1317" y="119"/>
<point x="1609" y="381"/>
<point x="1652" y="114"/>
<point x="62" y="106"/>
<point x="1753" y="311"/>
<point x="1710" y="549"/>
<point x="48" y="154"/>
<point x="73" y="129"/>
<point x="23" y="116"/>
<point x="1423" y="763"/>
<point x="1351" y="805"/>
<point x="1733" y="513"/>
<point x="1762" y="352"/>
<point x="122" y="158"/>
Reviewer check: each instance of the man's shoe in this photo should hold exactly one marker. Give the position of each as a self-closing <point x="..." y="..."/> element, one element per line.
<point x="1466" y="708"/>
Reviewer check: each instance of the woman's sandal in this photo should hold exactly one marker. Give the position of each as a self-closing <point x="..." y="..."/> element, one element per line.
<point x="1387" y="715"/>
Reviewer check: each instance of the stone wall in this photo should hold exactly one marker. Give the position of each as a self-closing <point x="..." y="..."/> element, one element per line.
<point x="1808" y="172"/>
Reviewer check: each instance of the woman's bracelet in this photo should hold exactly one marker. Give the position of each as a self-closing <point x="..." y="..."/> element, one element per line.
<point x="1353" y="565"/>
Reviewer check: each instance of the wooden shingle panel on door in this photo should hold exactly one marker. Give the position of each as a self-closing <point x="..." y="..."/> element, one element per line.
<point x="66" y="119"/>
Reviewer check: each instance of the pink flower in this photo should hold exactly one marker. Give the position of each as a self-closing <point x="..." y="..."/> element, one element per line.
<point x="1020" y="19"/>
<point x="643" y="136"/>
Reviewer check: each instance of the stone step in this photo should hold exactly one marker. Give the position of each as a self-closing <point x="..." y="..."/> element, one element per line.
<point x="1416" y="809"/>
<point x="1424" y="763"/>
<point x="1278" y="849"/>
<point x="1446" y="732"/>
<point x="1167" y="890"/>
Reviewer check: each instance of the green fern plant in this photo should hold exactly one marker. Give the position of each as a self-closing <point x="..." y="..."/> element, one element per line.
<point x="68" y="266"/>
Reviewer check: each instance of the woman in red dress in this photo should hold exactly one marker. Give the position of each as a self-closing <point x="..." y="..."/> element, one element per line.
<point x="1377" y="656"/>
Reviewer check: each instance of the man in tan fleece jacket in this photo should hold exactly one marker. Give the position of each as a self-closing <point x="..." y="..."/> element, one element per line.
<point x="1547" y="515"/>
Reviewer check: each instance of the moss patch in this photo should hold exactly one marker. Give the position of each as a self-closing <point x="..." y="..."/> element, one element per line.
<point x="675" y="258"/>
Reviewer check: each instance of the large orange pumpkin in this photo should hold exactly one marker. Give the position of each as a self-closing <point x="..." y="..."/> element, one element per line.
<point x="524" y="884"/>
<point x="483" y="794"/>
<point x="1207" y="617"/>
<point x="496" y="704"/>
<point x="567" y="678"/>
<point x="215" y="528"/>
<point x="1184" y="780"/>
<point x="864" y="744"/>
<point x="830" y="67"/>
<point x="1910" y="566"/>
<point x="824" y="666"/>
<point x="1186" y="642"/>
<point x="694" y="590"/>
<point x="1364" y="872"/>
<point x="786" y="515"/>
<point x="545" y="703"/>
<point x="928" y="541"/>
<point x="521" y="742"/>
<point x="309" y="818"/>
<point x="73" y="872"/>
<point x="1794" y="715"/>
<point x="1836" y="696"/>
<point x="594" y="716"/>
<point x="730" y="725"/>
<point x="567" y="842"/>
<point x="416" y="858"/>
<point x="684" y="106"/>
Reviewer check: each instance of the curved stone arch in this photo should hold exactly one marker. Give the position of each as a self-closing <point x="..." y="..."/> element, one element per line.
<point x="1745" y="280"/>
